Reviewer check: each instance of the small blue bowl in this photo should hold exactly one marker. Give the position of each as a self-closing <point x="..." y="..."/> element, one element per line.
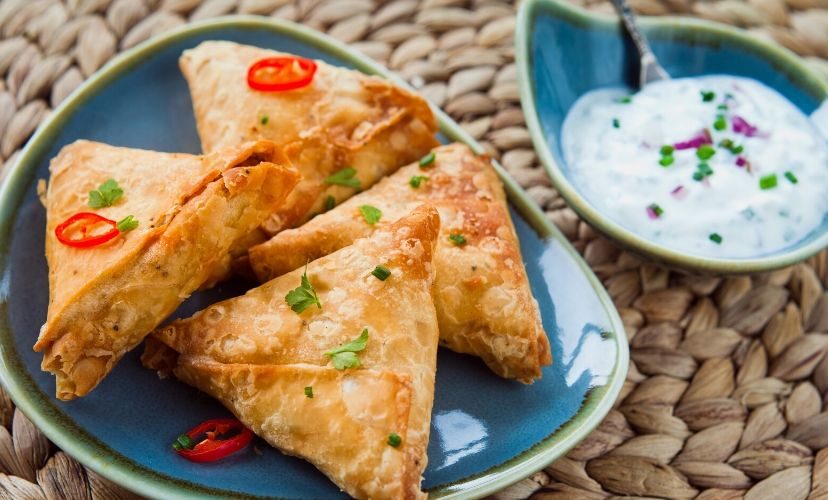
<point x="564" y="52"/>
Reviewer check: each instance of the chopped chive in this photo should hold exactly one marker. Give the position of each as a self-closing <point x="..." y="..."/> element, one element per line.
<point x="183" y="442"/>
<point x="726" y="143"/>
<point x="705" y="152"/>
<point x="720" y="123"/>
<point x="458" y="239"/>
<point x="705" y="169"/>
<point x="722" y="107"/>
<point x="768" y="181"/>
<point x="791" y="177"/>
<point x="616" y="123"/>
<point x="667" y="150"/>
<point x="427" y="160"/>
<point x="654" y="211"/>
<point x="128" y="223"/>
<point x="716" y="238"/>
<point x="707" y="95"/>
<point x="666" y="161"/>
<point x="624" y="100"/>
<point x="737" y="149"/>
<point x="381" y="273"/>
<point x="417" y="180"/>
<point x="698" y="176"/>
<point x="309" y="392"/>
<point x="344" y="177"/>
<point x="394" y="439"/>
<point x="264" y="119"/>
<point x="330" y="202"/>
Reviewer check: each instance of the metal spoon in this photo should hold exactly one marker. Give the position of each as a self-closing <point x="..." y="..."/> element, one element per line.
<point x="651" y="70"/>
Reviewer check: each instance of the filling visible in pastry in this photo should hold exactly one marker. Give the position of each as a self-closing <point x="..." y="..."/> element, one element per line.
<point x="343" y="130"/>
<point x="111" y="283"/>
<point x="484" y="302"/>
<point x="329" y="362"/>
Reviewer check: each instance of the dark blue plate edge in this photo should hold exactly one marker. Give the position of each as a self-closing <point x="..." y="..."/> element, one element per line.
<point x="104" y="460"/>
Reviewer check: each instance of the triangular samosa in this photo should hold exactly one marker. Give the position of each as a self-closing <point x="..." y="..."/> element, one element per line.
<point x="346" y="124"/>
<point x="484" y="302"/>
<point x="186" y="213"/>
<point x="361" y="416"/>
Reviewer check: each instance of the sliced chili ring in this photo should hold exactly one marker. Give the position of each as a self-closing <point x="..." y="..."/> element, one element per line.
<point x="212" y="447"/>
<point x="276" y="74"/>
<point x="86" y="221"/>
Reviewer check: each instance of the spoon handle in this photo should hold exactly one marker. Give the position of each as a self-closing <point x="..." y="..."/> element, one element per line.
<point x="651" y="70"/>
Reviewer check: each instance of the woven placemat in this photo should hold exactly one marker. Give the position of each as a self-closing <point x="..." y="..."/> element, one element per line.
<point x="727" y="388"/>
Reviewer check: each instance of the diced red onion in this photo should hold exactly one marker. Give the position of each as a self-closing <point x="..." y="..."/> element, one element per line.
<point x="679" y="192"/>
<point x="741" y="162"/>
<point x="697" y="141"/>
<point x="741" y="126"/>
<point x="651" y="213"/>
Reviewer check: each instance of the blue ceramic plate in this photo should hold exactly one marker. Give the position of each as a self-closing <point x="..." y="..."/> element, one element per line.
<point x="486" y="432"/>
<point x="564" y="52"/>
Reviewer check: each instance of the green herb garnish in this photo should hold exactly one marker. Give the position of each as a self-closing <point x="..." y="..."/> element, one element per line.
<point x="768" y="181"/>
<point x="720" y="123"/>
<point x="705" y="169"/>
<point x="106" y="195"/>
<point x="731" y="146"/>
<point x="624" y="100"/>
<point x="417" y="180"/>
<point x="428" y="159"/>
<point x="722" y="107"/>
<point x="303" y="296"/>
<point x="707" y="95"/>
<point x="458" y="239"/>
<point x="344" y="356"/>
<point x="394" y="439"/>
<point x="667" y="150"/>
<point x="666" y="161"/>
<point x="344" y="177"/>
<point x="372" y="215"/>
<point x="330" y="202"/>
<point x="716" y="238"/>
<point x="698" y="176"/>
<point x="616" y="123"/>
<point x="791" y="177"/>
<point x="264" y="119"/>
<point x="705" y="152"/>
<point x="309" y="392"/>
<point x="183" y="442"/>
<point x="128" y="223"/>
<point x="381" y="272"/>
<point x="655" y="209"/>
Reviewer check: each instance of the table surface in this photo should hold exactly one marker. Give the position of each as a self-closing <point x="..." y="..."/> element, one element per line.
<point x="707" y="410"/>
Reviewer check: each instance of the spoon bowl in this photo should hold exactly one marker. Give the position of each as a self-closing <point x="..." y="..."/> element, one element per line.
<point x="564" y="52"/>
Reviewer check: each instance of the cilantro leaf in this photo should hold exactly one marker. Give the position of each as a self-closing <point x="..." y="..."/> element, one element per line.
<point x="128" y="223"/>
<point x="303" y="296"/>
<point x="106" y="195"/>
<point x="344" y="177"/>
<point x="344" y="356"/>
<point x="458" y="239"/>
<point x="372" y="215"/>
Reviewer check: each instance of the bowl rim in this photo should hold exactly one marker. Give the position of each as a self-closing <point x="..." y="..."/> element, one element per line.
<point x="134" y="476"/>
<point x="770" y="51"/>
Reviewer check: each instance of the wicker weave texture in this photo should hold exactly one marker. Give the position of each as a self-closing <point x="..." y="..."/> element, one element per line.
<point x="728" y="384"/>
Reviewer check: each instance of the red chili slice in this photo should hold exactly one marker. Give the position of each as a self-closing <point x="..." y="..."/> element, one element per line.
<point x="84" y="222"/>
<point x="213" y="447"/>
<point x="275" y="74"/>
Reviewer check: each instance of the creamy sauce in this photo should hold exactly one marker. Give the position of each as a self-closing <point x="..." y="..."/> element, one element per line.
<point x="715" y="166"/>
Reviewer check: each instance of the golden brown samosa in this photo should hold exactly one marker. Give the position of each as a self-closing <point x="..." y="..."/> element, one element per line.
<point x="484" y="303"/>
<point x="342" y="119"/>
<point x="189" y="211"/>
<point x="363" y="418"/>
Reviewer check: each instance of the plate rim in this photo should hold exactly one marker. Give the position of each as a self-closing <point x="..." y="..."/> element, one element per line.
<point x="771" y="52"/>
<point x="142" y="480"/>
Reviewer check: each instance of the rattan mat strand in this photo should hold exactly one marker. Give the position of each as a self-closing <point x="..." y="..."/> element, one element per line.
<point x="727" y="391"/>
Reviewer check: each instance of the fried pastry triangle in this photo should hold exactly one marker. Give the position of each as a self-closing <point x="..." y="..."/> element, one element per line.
<point x="190" y="210"/>
<point x="342" y="119"/>
<point x="484" y="303"/>
<point x="257" y="355"/>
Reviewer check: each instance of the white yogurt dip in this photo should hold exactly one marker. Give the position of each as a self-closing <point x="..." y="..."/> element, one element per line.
<point x="715" y="166"/>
